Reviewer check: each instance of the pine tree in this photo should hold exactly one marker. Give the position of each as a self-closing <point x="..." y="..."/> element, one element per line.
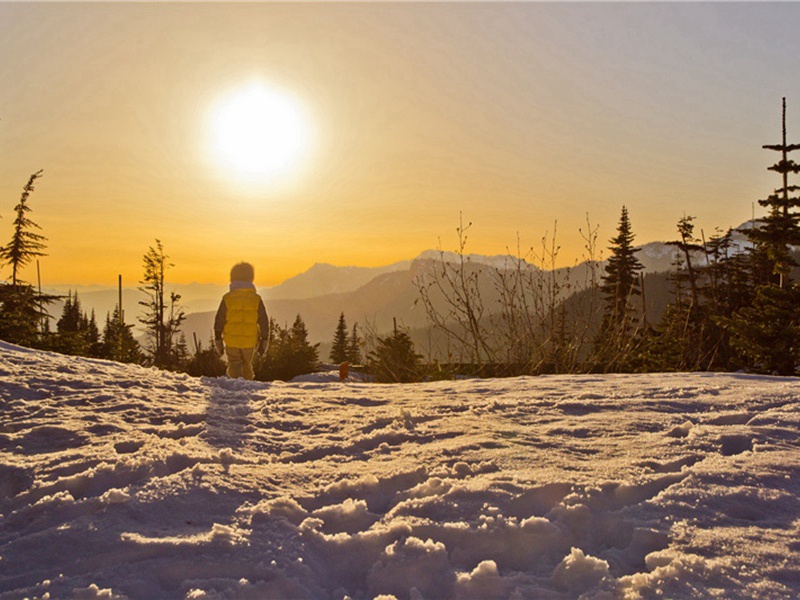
<point x="616" y="341"/>
<point x="289" y="354"/>
<point x="340" y="348"/>
<point x="94" y="345"/>
<point x="766" y="335"/>
<point x="688" y="336"/>
<point x="162" y="319"/>
<point x="22" y="308"/>
<point x="118" y="341"/>
<point x="306" y="356"/>
<point x="621" y="279"/>
<point x="180" y="353"/>
<point x="780" y="229"/>
<point x="70" y="320"/>
<point x="394" y="359"/>
<point x="22" y="314"/>
<point x="354" y="347"/>
<point x="25" y="243"/>
<point x="730" y="285"/>
<point x="70" y="327"/>
<point x="688" y="246"/>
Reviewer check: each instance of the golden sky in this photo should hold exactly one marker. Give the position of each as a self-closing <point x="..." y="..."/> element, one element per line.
<point x="517" y="115"/>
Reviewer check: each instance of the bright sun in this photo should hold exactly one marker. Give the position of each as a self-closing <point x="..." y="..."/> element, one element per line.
<point x="259" y="132"/>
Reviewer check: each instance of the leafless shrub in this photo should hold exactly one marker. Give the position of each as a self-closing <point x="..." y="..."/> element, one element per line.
<point x="526" y="314"/>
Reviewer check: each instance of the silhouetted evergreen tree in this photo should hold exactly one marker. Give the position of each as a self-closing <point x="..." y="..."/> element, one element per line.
<point x="22" y="308"/>
<point x="689" y="247"/>
<point x="93" y="340"/>
<point x="162" y="318"/>
<point x="180" y="353"/>
<point x="730" y="285"/>
<point x="25" y="243"/>
<point x="394" y="359"/>
<point x="616" y="342"/>
<point x="780" y="229"/>
<point x="23" y="314"/>
<point x="305" y="354"/>
<point x="289" y="354"/>
<point x="354" y="347"/>
<point x="70" y="320"/>
<point x="118" y="341"/>
<point x="70" y="328"/>
<point x="688" y="336"/>
<point x="341" y="345"/>
<point x="766" y="335"/>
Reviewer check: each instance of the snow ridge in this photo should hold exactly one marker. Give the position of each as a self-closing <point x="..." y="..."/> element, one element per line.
<point x="122" y="481"/>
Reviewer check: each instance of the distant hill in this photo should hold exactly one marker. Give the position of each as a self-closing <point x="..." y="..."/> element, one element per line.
<point x="371" y="296"/>
<point x="374" y="305"/>
<point x="395" y="295"/>
<point x="323" y="279"/>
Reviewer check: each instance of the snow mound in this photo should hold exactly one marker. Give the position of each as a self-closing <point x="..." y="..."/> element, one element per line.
<point x="121" y="481"/>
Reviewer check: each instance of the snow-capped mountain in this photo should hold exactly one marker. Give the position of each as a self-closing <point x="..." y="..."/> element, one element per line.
<point x="498" y="261"/>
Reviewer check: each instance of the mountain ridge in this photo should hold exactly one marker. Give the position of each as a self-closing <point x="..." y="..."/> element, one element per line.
<point x="371" y="296"/>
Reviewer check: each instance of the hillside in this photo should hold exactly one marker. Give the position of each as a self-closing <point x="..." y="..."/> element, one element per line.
<point x="373" y="296"/>
<point x="323" y="279"/>
<point x="124" y="482"/>
<point x="396" y="295"/>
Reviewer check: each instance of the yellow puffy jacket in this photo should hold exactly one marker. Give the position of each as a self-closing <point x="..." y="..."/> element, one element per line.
<point x="241" y="319"/>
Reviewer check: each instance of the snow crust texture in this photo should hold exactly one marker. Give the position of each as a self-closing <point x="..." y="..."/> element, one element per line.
<point x="118" y="481"/>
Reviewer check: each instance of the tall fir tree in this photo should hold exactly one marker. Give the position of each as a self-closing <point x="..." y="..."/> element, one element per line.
<point x="25" y="244"/>
<point x="306" y="355"/>
<point x="94" y="343"/>
<point x="688" y="247"/>
<point x="394" y="359"/>
<point x="23" y="315"/>
<point x="354" y="347"/>
<point x="617" y="338"/>
<point x="23" y="309"/>
<point x="289" y="354"/>
<point x="180" y="353"/>
<point x="689" y="337"/>
<point x="163" y="317"/>
<point x="119" y="344"/>
<point x="70" y="328"/>
<point x="341" y="344"/>
<point x="780" y="228"/>
<point x="766" y="335"/>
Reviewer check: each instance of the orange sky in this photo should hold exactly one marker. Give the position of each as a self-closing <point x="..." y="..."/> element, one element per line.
<point x="515" y="114"/>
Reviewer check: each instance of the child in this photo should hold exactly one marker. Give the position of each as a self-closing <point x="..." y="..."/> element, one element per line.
<point x="242" y="323"/>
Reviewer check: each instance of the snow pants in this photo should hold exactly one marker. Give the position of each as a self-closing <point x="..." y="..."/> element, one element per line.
<point x="240" y="362"/>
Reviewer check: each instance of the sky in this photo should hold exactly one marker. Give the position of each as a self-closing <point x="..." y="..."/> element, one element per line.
<point x="519" y="117"/>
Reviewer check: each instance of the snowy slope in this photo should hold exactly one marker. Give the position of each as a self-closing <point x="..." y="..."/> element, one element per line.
<point x="121" y="481"/>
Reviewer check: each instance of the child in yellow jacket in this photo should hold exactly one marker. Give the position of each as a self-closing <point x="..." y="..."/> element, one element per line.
<point x="241" y="326"/>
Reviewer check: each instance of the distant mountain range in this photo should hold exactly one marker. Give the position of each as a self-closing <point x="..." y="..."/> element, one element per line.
<point x="371" y="296"/>
<point x="388" y="293"/>
<point x="323" y="278"/>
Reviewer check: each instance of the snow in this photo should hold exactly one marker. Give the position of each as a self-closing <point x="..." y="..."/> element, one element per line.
<point x="122" y="481"/>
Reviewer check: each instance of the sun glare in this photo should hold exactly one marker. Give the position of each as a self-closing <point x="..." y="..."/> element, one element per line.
<point x="259" y="132"/>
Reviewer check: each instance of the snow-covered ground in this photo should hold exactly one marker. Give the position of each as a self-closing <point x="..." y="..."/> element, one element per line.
<point x="121" y="481"/>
